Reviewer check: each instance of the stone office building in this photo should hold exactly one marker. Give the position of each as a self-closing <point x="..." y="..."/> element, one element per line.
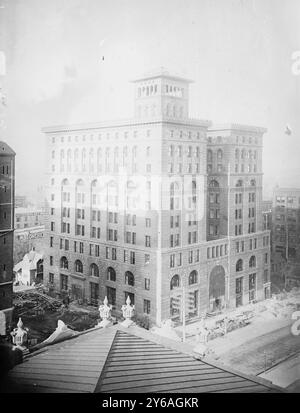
<point x="161" y="207"/>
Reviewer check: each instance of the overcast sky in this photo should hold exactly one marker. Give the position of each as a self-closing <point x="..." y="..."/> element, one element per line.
<point x="238" y="52"/>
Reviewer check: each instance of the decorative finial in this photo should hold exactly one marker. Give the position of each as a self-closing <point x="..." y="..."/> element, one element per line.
<point x="127" y="311"/>
<point x="105" y="313"/>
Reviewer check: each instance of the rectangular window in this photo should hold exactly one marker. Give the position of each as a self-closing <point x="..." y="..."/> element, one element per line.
<point x="147" y="241"/>
<point x="81" y="249"/>
<point x="111" y="295"/>
<point x="132" y="257"/>
<point x="147" y="258"/>
<point x="147" y="284"/>
<point x="147" y="306"/>
<point x="148" y="222"/>
<point x="63" y="282"/>
<point x="66" y="244"/>
<point x="97" y="251"/>
<point x="172" y="260"/>
<point x="107" y="252"/>
<point x="114" y="254"/>
<point x="51" y="241"/>
<point x="51" y="260"/>
<point x="51" y="278"/>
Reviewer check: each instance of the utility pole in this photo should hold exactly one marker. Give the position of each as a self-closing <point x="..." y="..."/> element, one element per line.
<point x="183" y="314"/>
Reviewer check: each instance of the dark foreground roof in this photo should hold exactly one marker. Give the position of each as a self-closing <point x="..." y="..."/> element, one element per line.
<point x="125" y="361"/>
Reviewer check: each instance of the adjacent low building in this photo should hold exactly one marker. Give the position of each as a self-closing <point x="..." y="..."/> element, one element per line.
<point x="30" y="270"/>
<point x="286" y="235"/>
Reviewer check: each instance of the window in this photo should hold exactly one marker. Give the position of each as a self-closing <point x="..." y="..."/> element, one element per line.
<point x="51" y="260"/>
<point x="147" y="306"/>
<point x="51" y="241"/>
<point x="51" y="278"/>
<point x="111" y="274"/>
<point x="175" y="282"/>
<point x="148" y="222"/>
<point x="111" y="295"/>
<point x="63" y="282"/>
<point x="132" y="257"/>
<point x="172" y="260"/>
<point x="64" y="263"/>
<point x="252" y="287"/>
<point x="147" y="259"/>
<point x="239" y="265"/>
<point x="147" y="284"/>
<point x="252" y="261"/>
<point x="94" y="293"/>
<point x="129" y="278"/>
<point x="94" y="270"/>
<point x="78" y="266"/>
<point x="147" y="241"/>
<point x="193" y="277"/>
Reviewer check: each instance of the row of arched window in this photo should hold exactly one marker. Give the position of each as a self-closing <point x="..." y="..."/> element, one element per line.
<point x="210" y="155"/>
<point x="173" y="150"/>
<point x="239" y="184"/>
<point x="244" y="154"/>
<point x="94" y="271"/>
<point x="91" y="160"/>
<point x="240" y="264"/>
<point x="175" y="280"/>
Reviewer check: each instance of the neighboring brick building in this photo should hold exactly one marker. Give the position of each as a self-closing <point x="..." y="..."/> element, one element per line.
<point x="286" y="234"/>
<point x="7" y="202"/>
<point x="140" y="207"/>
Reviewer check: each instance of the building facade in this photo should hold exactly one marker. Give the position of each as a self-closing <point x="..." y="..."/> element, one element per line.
<point x="286" y="235"/>
<point x="7" y="193"/>
<point x="162" y="207"/>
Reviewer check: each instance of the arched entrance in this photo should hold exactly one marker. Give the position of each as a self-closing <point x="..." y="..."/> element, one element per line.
<point x="217" y="288"/>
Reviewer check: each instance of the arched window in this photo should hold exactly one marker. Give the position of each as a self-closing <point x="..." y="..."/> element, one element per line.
<point x="111" y="274"/>
<point x="64" y="263"/>
<point x="78" y="266"/>
<point x="219" y="154"/>
<point x="252" y="261"/>
<point x="253" y="182"/>
<point x="175" y="282"/>
<point x="239" y="183"/>
<point x="94" y="270"/>
<point x="214" y="184"/>
<point x="129" y="278"/>
<point x="239" y="265"/>
<point x="193" y="277"/>
<point x="65" y="182"/>
<point x="209" y="155"/>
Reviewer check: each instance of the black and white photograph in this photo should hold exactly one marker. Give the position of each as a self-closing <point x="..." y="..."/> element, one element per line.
<point x="149" y="199"/>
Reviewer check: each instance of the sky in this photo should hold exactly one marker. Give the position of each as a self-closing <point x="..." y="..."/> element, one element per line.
<point x="70" y="61"/>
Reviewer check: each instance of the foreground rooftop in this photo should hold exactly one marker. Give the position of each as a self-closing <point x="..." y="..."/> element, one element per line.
<point x="126" y="360"/>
